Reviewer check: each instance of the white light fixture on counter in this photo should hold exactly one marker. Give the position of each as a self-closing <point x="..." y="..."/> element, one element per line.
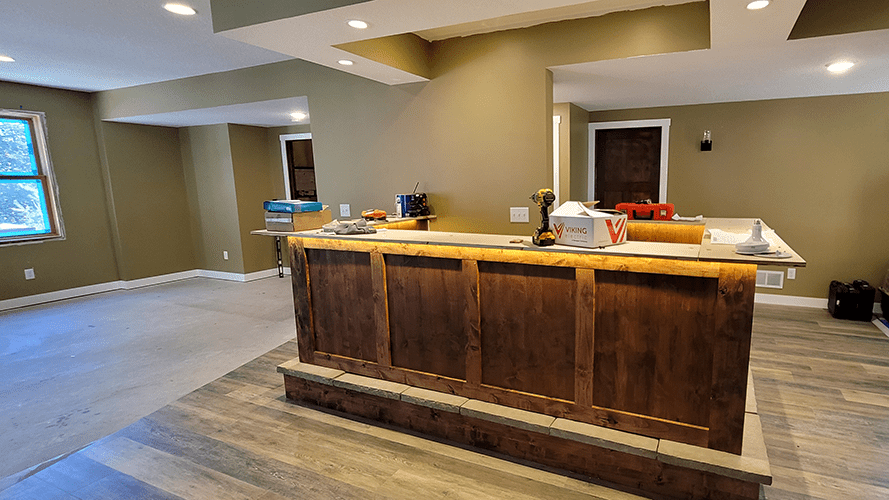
<point x="4" y="58"/>
<point x="757" y="4"/>
<point x="840" y="66"/>
<point x="357" y="24"/>
<point x="346" y="62"/>
<point x="178" y="8"/>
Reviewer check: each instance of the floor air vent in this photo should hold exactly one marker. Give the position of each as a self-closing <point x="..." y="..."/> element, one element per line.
<point x="770" y="279"/>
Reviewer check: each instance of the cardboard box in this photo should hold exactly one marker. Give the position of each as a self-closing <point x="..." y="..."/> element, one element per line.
<point x="303" y="221"/>
<point x="579" y="226"/>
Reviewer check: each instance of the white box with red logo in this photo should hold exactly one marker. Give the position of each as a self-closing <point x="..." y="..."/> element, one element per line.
<point x="576" y="225"/>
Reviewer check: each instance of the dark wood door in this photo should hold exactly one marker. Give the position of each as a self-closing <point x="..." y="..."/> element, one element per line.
<point x="302" y="170"/>
<point x="628" y="165"/>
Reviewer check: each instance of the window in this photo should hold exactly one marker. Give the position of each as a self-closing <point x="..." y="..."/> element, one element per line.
<point x="29" y="208"/>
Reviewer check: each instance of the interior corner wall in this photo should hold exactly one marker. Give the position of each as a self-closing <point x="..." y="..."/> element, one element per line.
<point x="814" y="169"/>
<point x="212" y="199"/>
<point x="579" y="132"/>
<point x="86" y="256"/>
<point x="253" y="185"/>
<point x="150" y="204"/>
<point x="572" y="151"/>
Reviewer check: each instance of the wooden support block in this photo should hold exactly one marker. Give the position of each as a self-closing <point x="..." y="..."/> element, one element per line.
<point x="373" y="386"/>
<point x="604" y="437"/>
<point x="315" y="373"/>
<point x="752" y="466"/>
<point x="631" y="472"/>
<point x="513" y="417"/>
<point x="433" y="399"/>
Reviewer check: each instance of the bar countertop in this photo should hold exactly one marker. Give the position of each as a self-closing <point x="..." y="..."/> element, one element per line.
<point x="705" y="251"/>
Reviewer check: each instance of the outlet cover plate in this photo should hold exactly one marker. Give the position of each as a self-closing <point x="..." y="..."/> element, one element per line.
<point x="518" y="214"/>
<point x="29" y="274"/>
<point x="345" y="210"/>
<point x="791" y="273"/>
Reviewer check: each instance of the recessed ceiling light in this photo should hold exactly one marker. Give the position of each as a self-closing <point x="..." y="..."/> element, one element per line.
<point x="346" y="62"/>
<point x="178" y="8"/>
<point x="839" y="67"/>
<point x="297" y="116"/>
<point x="6" y="59"/>
<point x="359" y="25"/>
<point x="757" y="4"/>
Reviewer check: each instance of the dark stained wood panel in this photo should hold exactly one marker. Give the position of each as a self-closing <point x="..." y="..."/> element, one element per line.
<point x="649" y="361"/>
<point x="528" y="328"/>
<point x="427" y="314"/>
<point x="302" y="304"/>
<point x="342" y="303"/>
<point x="734" y="318"/>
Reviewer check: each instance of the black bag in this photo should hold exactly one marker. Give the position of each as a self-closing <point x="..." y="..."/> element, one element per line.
<point x="851" y="301"/>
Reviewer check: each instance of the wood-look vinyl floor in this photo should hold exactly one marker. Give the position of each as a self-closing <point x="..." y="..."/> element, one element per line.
<point x="822" y="389"/>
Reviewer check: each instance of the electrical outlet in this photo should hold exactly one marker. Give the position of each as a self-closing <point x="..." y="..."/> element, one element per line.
<point x="518" y="214"/>
<point x="225" y="254"/>
<point x="791" y="273"/>
<point x="345" y="211"/>
<point x="29" y="274"/>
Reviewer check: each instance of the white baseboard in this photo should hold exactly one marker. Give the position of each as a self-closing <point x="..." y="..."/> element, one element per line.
<point x="156" y="280"/>
<point x="790" y="300"/>
<point x="70" y="293"/>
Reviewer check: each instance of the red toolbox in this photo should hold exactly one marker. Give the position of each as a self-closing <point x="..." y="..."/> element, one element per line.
<point x="646" y="211"/>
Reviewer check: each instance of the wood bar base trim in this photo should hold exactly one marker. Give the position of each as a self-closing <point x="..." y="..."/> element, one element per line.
<point x="654" y="467"/>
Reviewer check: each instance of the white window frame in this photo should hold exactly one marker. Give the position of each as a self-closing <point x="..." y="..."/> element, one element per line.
<point x="284" y="138"/>
<point x="45" y="173"/>
<point x="664" y="124"/>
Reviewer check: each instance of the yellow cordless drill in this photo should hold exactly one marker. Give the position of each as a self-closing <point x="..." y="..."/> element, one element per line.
<point x="543" y="236"/>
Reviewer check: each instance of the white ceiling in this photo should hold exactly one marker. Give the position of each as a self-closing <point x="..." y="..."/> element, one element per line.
<point x="94" y="45"/>
<point x="750" y="59"/>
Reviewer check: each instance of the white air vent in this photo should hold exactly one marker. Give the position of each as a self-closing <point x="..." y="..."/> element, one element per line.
<point x="770" y="279"/>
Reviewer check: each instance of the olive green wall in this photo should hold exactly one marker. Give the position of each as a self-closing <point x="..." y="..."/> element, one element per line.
<point x="573" y="147"/>
<point x="478" y="136"/>
<point x="814" y="169"/>
<point x="149" y="197"/>
<point x="253" y="185"/>
<point x="210" y="184"/>
<point x="86" y="256"/>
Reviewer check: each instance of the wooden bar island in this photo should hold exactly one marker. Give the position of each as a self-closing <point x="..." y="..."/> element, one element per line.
<point x="650" y="338"/>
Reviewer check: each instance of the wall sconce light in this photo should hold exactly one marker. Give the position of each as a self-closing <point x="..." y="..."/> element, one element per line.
<point x="706" y="143"/>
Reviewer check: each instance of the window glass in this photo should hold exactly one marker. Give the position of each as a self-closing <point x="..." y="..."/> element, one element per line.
<point x="23" y="208"/>
<point x="16" y="148"/>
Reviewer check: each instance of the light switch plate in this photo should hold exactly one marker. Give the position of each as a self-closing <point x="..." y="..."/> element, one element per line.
<point x="518" y="214"/>
<point x="791" y="273"/>
<point x="345" y="211"/>
<point x="29" y="274"/>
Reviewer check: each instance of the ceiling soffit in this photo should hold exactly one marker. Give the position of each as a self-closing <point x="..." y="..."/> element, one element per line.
<point x="615" y="35"/>
<point x="837" y="17"/>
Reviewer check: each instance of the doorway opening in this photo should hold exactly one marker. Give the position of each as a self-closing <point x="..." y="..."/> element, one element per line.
<point x="628" y="161"/>
<point x="299" y="167"/>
